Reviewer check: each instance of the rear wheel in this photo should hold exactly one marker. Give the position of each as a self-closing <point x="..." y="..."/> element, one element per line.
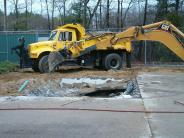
<point x="43" y="64"/>
<point x="113" y="61"/>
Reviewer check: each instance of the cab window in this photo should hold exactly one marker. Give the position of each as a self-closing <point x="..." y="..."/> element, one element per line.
<point x="52" y="35"/>
<point x="65" y="36"/>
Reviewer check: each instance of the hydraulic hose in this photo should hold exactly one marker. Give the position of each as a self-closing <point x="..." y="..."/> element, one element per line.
<point x="94" y="110"/>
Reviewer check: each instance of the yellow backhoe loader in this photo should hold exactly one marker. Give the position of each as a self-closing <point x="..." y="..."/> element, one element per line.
<point x="70" y="45"/>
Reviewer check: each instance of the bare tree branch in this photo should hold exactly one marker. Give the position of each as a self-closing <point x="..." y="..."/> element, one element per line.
<point x="93" y="13"/>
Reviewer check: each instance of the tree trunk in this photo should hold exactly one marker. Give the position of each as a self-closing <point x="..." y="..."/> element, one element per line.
<point x="118" y="14"/>
<point x="93" y="13"/>
<point x="53" y="6"/>
<point x="5" y="16"/>
<point x="107" y="14"/>
<point x="64" y="11"/>
<point x="177" y="5"/>
<point x="16" y="15"/>
<point x="85" y="13"/>
<point x="121" y="16"/>
<point x="145" y="12"/>
<point x="96" y="21"/>
<point x="100" y="14"/>
<point x="26" y="6"/>
<point x="48" y="16"/>
<point x="124" y="18"/>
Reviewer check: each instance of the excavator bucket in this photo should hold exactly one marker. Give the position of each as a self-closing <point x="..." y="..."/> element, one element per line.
<point x="54" y="60"/>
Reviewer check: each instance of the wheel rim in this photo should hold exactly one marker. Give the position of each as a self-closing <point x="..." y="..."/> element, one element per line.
<point x="114" y="63"/>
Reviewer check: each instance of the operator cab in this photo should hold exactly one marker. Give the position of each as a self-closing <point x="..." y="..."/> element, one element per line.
<point x="63" y="35"/>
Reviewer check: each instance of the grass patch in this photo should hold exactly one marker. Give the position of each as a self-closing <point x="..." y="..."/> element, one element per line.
<point x="7" y="66"/>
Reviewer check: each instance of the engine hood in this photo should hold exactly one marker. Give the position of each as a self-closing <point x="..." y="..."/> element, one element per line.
<point x="43" y="43"/>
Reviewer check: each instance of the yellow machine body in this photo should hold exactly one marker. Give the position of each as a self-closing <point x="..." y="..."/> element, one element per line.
<point x="79" y="42"/>
<point x="73" y="39"/>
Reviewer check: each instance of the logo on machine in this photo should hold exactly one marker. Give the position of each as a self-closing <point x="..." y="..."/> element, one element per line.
<point x="165" y="27"/>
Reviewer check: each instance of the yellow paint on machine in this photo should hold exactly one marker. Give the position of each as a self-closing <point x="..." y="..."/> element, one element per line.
<point x="74" y="38"/>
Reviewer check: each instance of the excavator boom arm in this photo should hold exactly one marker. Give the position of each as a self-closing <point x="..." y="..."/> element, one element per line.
<point x="163" y="32"/>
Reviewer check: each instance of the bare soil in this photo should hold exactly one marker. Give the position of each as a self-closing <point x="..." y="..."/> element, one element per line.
<point x="10" y="82"/>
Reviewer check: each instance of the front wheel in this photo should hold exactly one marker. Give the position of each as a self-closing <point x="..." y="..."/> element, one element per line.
<point x="44" y="65"/>
<point x="113" y="61"/>
<point x="35" y="66"/>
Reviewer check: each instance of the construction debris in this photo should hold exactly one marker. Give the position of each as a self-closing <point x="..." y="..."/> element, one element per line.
<point x="132" y="89"/>
<point x="79" y="87"/>
<point x="51" y="84"/>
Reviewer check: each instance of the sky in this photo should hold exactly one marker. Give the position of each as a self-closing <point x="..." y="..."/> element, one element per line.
<point x="37" y="9"/>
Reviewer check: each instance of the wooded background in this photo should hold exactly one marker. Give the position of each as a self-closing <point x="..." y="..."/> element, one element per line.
<point x="95" y="14"/>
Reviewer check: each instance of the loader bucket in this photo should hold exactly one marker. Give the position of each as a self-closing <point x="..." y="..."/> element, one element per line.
<point x="54" y="60"/>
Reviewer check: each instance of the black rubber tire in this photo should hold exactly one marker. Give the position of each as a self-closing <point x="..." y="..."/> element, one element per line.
<point x="43" y="64"/>
<point x="35" y="66"/>
<point x="113" y="61"/>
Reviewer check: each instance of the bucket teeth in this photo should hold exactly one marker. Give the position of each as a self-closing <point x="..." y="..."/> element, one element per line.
<point x="54" y="60"/>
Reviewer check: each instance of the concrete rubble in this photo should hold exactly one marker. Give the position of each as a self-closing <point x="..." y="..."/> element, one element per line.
<point x="70" y="87"/>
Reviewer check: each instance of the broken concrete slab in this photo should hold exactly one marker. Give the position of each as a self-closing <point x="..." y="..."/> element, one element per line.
<point x="77" y="87"/>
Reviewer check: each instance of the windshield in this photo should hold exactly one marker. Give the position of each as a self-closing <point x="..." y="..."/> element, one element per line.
<point x="53" y="35"/>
